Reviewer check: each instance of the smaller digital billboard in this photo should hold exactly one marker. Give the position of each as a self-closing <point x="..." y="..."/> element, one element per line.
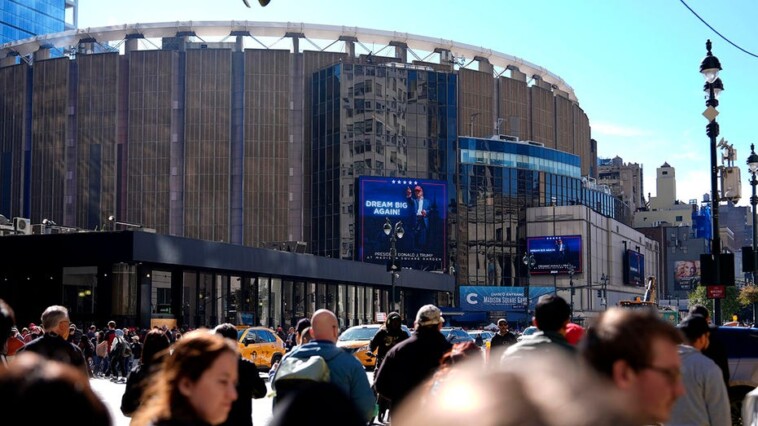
<point x="634" y="268"/>
<point x="686" y="274"/>
<point x="419" y="204"/>
<point x="492" y="298"/>
<point x="556" y="254"/>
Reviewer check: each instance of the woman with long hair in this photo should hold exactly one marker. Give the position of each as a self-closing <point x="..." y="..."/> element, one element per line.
<point x="195" y="386"/>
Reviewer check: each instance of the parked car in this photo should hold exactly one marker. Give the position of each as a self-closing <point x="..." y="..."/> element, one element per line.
<point x="261" y="346"/>
<point x="527" y="332"/>
<point x="456" y="335"/>
<point x="356" y="340"/>
<point x="482" y="338"/>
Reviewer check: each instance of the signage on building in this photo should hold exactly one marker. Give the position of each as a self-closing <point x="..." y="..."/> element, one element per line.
<point x="421" y="206"/>
<point x="491" y="298"/>
<point x="555" y="254"/>
<point x="634" y="268"/>
<point x="686" y="274"/>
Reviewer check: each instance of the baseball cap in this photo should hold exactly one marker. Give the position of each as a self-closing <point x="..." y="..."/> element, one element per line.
<point x="428" y="315"/>
<point x="417" y="188"/>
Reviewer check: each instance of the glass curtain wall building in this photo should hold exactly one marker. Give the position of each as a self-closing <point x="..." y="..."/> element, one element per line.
<point x="374" y="120"/>
<point x="495" y="181"/>
<point x="20" y="19"/>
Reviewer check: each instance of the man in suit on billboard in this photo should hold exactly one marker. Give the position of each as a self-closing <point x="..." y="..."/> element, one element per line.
<point x="420" y="208"/>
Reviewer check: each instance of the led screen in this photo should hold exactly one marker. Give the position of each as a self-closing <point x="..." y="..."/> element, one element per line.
<point x="686" y="274"/>
<point x="419" y="204"/>
<point x="634" y="268"/>
<point x="556" y="254"/>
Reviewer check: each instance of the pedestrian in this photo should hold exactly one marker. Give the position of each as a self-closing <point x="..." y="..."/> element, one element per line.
<point x="414" y="360"/>
<point x="390" y="334"/>
<point x="551" y="316"/>
<point x="528" y="391"/>
<point x="7" y="325"/>
<point x="503" y="339"/>
<point x="705" y="401"/>
<point x="249" y="384"/>
<point x="117" y="357"/>
<point x="716" y="349"/>
<point x="299" y="328"/>
<point x="639" y="353"/>
<point x="345" y="371"/>
<point x="53" y="343"/>
<point x="39" y="391"/>
<point x="153" y="352"/>
<point x="196" y="385"/>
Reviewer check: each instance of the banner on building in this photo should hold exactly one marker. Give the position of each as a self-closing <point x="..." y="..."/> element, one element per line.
<point x="686" y="274"/>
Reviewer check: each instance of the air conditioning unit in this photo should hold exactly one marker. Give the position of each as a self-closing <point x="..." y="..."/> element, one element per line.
<point x="22" y="225"/>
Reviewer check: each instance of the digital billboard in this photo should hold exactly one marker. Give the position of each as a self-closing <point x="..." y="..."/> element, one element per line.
<point x="490" y="298"/>
<point x="420" y="204"/>
<point x="686" y="274"/>
<point x="634" y="268"/>
<point x="556" y="254"/>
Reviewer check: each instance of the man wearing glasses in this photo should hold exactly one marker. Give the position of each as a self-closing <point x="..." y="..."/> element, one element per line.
<point x="52" y="344"/>
<point x="705" y="401"/>
<point x="639" y="352"/>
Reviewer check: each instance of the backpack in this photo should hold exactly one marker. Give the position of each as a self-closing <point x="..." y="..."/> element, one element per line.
<point x="126" y="350"/>
<point x="298" y="373"/>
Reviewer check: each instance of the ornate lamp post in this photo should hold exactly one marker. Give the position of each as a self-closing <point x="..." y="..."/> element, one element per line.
<point x="710" y="67"/>
<point x="752" y="164"/>
<point x="529" y="262"/>
<point x="394" y="232"/>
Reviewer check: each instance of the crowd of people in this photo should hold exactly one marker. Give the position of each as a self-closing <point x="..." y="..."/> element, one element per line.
<point x="629" y="367"/>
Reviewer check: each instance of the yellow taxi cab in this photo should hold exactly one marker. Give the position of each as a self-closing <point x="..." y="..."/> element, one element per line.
<point x="261" y="346"/>
<point x="356" y="340"/>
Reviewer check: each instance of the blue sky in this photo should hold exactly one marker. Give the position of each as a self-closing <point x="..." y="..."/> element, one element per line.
<point x="634" y="65"/>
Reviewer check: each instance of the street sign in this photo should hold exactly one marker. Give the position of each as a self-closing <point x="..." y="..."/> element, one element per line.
<point x="381" y="317"/>
<point x="710" y="113"/>
<point x="715" y="291"/>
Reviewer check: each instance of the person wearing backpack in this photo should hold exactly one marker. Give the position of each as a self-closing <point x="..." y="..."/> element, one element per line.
<point x="344" y="370"/>
<point x="118" y="356"/>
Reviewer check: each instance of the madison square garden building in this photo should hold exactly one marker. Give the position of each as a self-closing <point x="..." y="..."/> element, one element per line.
<point x="272" y="135"/>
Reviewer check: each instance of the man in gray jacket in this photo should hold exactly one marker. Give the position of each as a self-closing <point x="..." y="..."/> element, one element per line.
<point x="705" y="401"/>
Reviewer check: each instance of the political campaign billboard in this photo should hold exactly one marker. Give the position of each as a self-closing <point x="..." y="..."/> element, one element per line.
<point x="419" y="205"/>
<point x="555" y="254"/>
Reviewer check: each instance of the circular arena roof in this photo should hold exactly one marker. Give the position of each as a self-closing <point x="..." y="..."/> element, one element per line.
<point x="280" y="30"/>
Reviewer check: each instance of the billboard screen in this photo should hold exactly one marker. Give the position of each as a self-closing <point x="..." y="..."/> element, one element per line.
<point x="420" y="204"/>
<point x="555" y="255"/>
<point x="634" y="268"/>
<point x="686" y="274"/>
<point x="489" y="298"/>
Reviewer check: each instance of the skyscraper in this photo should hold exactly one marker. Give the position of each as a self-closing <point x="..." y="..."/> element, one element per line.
<point x="20" y="19"/>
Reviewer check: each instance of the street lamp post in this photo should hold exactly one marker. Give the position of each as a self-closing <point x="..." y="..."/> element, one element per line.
<point x="571" y="289"/>
<point x="603" y="292"/>
<point x="752" y="164"/>
<point x="710" y="67"/>
<point x="529" y="262"/>
<point x="394" y="232"/>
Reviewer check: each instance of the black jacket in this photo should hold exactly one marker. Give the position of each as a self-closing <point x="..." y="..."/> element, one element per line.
<point x="249" y="386"/>
<point x="52" y="346"/>
<point x="410" y="363"/>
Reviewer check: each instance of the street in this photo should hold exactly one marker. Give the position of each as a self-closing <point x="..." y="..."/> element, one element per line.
<point x="111" y="394"/>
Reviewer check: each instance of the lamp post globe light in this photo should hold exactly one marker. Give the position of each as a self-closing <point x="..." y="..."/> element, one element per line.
<point x="752" y="164"/>
<point x="394" y="232"/>
<point x="710" y="67"/>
